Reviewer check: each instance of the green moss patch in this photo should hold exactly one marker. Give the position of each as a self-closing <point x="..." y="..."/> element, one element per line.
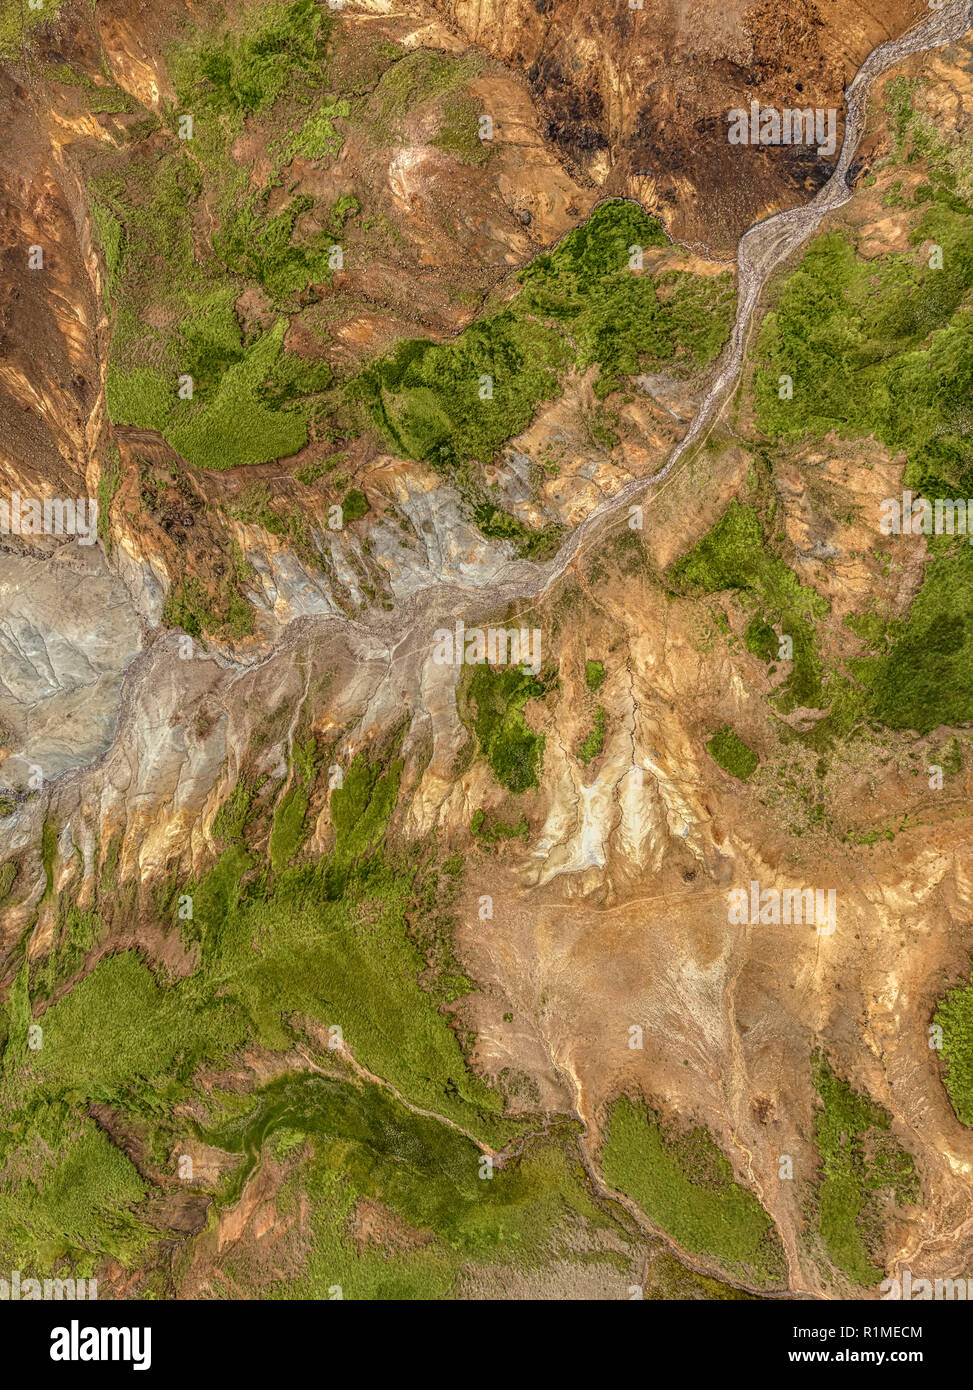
<point x="860" y="1158"/>
<point x="426" y="397"/>
<point x="955" y="1016"/>
<point x="734" y="556"/>
<point x="685" y="1184"/>
<point x="491" y="831"/>
<point x="624" y="320"/>
<point x="880" y="346"/>
<point x="442" y="1218"/>
<point x="514" y="753"/>
<point x="732" y="754"/>
<point x="594" y="675"/>
<point x="924" y="676"/>
<point x="593" y="742"/>
<point x="579" y="304"/>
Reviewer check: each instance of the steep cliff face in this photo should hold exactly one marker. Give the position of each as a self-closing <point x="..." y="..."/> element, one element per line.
<point x="50" y="370"/>
<point x="287" y="861"/>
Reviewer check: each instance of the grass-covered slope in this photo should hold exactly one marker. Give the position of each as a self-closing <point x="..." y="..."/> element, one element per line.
<point x="684" y="1183"/>
<point x="733" y="556"/>
<point x="359" y="939"/>
<point x="882" y="345"/>
<point x="347" y="1145"/>
<point x="184" y="234"/>
<point x="860" y="1158"/>
<point x="955" y="1017"/>
<point x="583" y="304"/>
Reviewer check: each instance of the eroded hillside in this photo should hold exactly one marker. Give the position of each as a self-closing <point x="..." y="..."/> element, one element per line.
<point x="335" y="951"/>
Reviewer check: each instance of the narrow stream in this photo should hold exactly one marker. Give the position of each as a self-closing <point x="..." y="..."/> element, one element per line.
<point x="769" y="242"/>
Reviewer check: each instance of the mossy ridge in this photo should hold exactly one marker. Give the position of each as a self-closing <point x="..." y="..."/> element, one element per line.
<point x="916" y="673"/>
<point x="49" y="840"/>
<point x="459" y="132"/>
<point x="238" y="413"/>
<point x="923" y="677"/>
<point x="318" y="138"/>
<point x="491" y="830"/>
<point x="917" y="138"/>
<point x="685" y="1184"/>
<point x="8" y="876"/>
<point x="100" y="98"/>
<point x="878" y="347"/>
<point x="76" y="934"/>
<point x="258" y="507"/>
<point x="859" y="1157"/>
<point x="497" y="524"/>
<point x="287" y="830"/>
<point x="616" y="316"/>
<point x="221" y="606"/>
<point x="891" y="330"/>
<point x="69" y="1195"/>
<point x="761" y="639"/>
<point x="354" y="505"/>
<point x="189" y="607"/>
<point x="426" y="397"/>
<point x="671" y="1281"/>
<point x="231" y="73"/>
<point x="268" y="249"/>
<point x="109" y="481"/>
<point x="417" y="77"/>
<point x="594" y="675"/>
